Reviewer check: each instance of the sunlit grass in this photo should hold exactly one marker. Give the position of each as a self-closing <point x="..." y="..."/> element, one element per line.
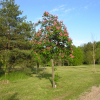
<point x="73" y="81"/>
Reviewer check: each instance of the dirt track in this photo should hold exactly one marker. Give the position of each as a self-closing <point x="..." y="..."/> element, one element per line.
<point x="93" y="95"/>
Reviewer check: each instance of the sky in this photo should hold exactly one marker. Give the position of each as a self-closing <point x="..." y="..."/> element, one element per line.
<point x="81" y="17"/>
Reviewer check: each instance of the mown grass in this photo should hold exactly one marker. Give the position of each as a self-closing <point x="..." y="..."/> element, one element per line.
<point x="73" y="81"/>
<point x="13" y="76"/>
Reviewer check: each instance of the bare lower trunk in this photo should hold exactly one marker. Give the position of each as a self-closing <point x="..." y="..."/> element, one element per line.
<point x="94" y="66"/>
<point x="94" y="56"/>
<point x="63" y="63"/>
<point x="53" y="74"/>
<point x="44" y="70"/>
<point x="68" y="63"/>
<point x="37" y="65"/>
<point x="13" y="68"/>
<point x="8" y="70"/>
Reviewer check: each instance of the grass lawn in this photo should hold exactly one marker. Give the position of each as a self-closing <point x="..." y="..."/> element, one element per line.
<point x="73" y="81"/>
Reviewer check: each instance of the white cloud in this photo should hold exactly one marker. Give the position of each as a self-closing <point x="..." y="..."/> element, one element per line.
<point x="56" y="9"/>
<point x="59" y="8"/>
<point x="68" y="10"/>
<point x="62" y="6"/>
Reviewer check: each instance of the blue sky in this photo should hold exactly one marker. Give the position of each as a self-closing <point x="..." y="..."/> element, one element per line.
<point x="81" y="17"/>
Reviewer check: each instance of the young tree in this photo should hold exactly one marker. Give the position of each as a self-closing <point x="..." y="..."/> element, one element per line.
<point x="94" y="52"/>
<point x="97" y="56"/>
<point x="94" y="43"/>
<point x="52" y="39"/>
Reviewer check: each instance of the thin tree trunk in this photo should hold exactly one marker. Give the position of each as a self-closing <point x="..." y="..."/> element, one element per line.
<point x="94" y="65"/>
<point x="37" y="64"/>
<point x="63" y="63"/>
<point x="68" y="62"/>
<point x="44" y="70"/>
<point x="13" y="68"/>
<point x="94" y="57"/>
<point x="5" y="77"/>
<point x="53" y="74"/>
<point x="36" y="71"/>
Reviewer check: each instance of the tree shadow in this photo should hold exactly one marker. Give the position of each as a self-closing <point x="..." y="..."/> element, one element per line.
<point x="83" y="67"/>
<point x="47" y="76"/>
<point x="74" y="67"/>
<point x="37" y="70"/>
<point x="13" y="97"/>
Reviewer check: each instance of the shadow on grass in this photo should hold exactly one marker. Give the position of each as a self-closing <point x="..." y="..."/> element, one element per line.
<point x="83" y="67"/>
<point x="37" y="70"/>
<point x="78" y="67"/>
<point x="13" y="97"/>
<point x="46" y="76"/>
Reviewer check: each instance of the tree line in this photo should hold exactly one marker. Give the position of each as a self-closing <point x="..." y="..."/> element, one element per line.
<point x="15" y="48"/>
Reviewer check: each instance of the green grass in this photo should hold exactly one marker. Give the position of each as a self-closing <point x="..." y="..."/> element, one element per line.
<point x="73" y="81"/>
<point x="13" y="76"/>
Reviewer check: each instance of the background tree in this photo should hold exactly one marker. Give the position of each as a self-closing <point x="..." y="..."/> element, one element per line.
<point x="97" y="56"/>
<point x="15" y="32"/>
<point x="87" y="53"/>
<point x="78" y="56"/>
<point x="88" y="59"/>
<point x="98" y="44"/>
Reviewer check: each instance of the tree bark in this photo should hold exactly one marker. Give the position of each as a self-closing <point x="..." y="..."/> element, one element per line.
<point x="94" y="64"/>
<point x="37" y="64"/>
<point x="53" y="74"/>
<point x="44" y="70"/>
<point x="63" y="63"/>
<point x="13" y="68"/>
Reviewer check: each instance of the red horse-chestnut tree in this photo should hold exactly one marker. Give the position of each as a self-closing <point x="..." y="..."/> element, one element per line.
<point x="52" y="39"/>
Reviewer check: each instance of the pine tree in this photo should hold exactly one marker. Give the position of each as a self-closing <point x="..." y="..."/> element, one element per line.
<point x="15" y="32"/>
